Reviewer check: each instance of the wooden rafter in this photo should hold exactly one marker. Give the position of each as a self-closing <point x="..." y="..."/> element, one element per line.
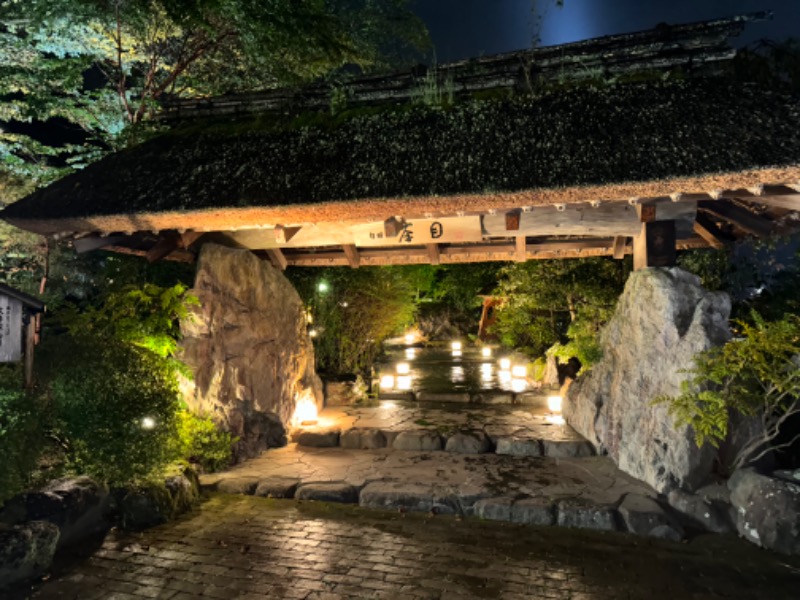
<point x="353" y="257"/>
<point x="618" y="249"/>
<point x="520" y="249"/>
<point x="741" y="217"/>
<point x="277" y="258"/>
<point x="433" y="253"/>
<point x="708" y="230"/>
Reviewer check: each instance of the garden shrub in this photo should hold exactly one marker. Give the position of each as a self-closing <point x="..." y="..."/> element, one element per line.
<point x="115" y="407"/>
<point x="22" y="438"/>
<point x="200" y="442"/>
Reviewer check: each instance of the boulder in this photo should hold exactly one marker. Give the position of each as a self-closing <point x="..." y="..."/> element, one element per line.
<point x="78" y="506"/>
<point x="248" y="349"/>
<point x="406" y="496"/>
<point x="663" y="319"/>
<point x="345" y="393"/>
<point x="184" y="491"/>
<point x="26" y="551"/>
<point x="767" y="510"/>
<point x="468" y="442"/>
<point x="708" y="508"/>
<point x="419" y="440"/>
<point x="145" y="507"/>
<point x="534" y="511"/>
<point x="245" y="486"/>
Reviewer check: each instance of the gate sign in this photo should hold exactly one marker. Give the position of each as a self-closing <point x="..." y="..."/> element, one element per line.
<point x="421" y="231"/>
<point x="10" y="329"/>
<point x="16" y="311"/>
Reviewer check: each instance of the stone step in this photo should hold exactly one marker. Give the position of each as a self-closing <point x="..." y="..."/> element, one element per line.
<point x="489" y="398"/>
<point x="542" y="491"/>
<point x="462" y="441"/>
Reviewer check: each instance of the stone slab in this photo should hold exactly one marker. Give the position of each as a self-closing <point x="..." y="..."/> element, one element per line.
<point x="644" y="516"/>
<point x="277" y="487"/>
<point x="317" y="437"/>
<point x="582" y="514"/>
<point x="418" y="440"/>
<point x="468" y="442"/>
<point x="566" y="448"/>
<point x="237" y="485"/>
<point x="516" y="446"/>
<point x="405" y="496"/>
<point x="331" y="491"/>
<point x="362" y="439"/>
<point x="458" y="397"/>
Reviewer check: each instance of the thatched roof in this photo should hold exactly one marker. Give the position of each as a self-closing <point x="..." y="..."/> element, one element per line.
<point x="646" y="135"/>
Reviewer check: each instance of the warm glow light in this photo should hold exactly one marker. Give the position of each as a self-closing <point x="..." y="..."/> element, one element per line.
<point x="312" y="332"/>
<point x="504" y="376"/>
<point x="411" y="353"/>
<point x="519" y="371"/>
<point x="403" y="368"/>
<point x="404" y="382"/>
<point x="409" y="338"/>
<point x="505" y="364"/>
<point x="148" y="423"/>
<point x="457" y="374"/>
<point x="555" y="419"/>
<point x="518" y="385"/>
<point x="305" y="413"/>
<point x="388" y="404"/>
<point x="456" y="345"/>
<point x="554" y="403"/>
<point x="323" y="287"/>
<point x="387" y="382"/>
<point x="486" y="351"/>
<point x="457" y="353"/>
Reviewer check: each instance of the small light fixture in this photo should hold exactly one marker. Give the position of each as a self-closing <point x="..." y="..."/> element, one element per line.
<point x="457" y="353"/>
<point x="505" y="364"/>
<point x="403" y="368"/>
<point x="409" y="338"/>
<point x="148" y="423"/>
<point x="519" y="371"/>
<point x="305" y="412"/>
<point x="323" y="287"/>
<point x="404" y="382"/>
<point x="313" y="333"/>
<point x="456" y="345"/>
<point x="486" y="351"/>
<point x="518" y="385"/>
<point x="387" y="382"/>
<point x="554" y="403"/>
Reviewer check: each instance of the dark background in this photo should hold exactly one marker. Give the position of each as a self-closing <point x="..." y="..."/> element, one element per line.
<point x="470" y="28"/>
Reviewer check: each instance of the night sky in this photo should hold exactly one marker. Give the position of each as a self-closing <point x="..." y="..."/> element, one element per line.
<point x="469" y="28"/>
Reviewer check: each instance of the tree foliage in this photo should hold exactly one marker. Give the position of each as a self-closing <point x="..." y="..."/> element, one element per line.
<point x="559" y="302"/>
<point x="756" y="375"/>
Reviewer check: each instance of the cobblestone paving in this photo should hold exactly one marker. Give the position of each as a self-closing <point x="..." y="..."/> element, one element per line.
<point x="255" y="548"/>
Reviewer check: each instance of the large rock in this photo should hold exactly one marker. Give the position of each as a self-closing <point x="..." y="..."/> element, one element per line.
<point x="767" y="510"/>
<point x="248" y="348"/>
<point x="26" y="551"/>
<point x="663" y="319"/>
<point x="78" y="506"/>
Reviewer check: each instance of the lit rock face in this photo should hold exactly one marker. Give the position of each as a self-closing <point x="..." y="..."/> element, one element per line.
<point x="248" y="348"/>
<point x="664" y="317"/>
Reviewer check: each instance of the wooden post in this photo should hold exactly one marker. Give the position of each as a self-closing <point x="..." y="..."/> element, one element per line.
<point x="30" y="344"/>
<point x="655" y="245"/>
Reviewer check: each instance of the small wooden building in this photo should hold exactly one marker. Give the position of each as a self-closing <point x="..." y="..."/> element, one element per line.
<point x="18" y="326"/>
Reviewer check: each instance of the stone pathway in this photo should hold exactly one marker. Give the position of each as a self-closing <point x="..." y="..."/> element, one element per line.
<point x="580" y="492"/>
<point x="247" y="548"/>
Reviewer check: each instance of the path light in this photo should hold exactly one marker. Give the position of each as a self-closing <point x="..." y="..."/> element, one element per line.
<point x="486" y="351"/>
<point x="148" y="423"/>
<point x="323" y="287"/>
<point x="403" y="368"/>
<point x="313" y="333"/>
<point x="305" y="412"/>
<point x="505" y="364"/>
<point x="409" y="338"/>
<point x="404" y="382"/>
<point x="518" y="385"/>
<point x="554" y="403"/>
<point x="519" y="371"/>
<point x="456" y="345"/>
<point x="411" y="353"/>
<point x="387" y="382"/>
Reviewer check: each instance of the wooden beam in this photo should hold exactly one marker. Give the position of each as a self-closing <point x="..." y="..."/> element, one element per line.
<point x="706" y="229"/>
<point x="433" y="253"/>
<point x="655" y="246"/>
<point x="741" y="217"/>
<point x="520" y="249"/>
<point x="87" y="244"/>
<point x="284" y="234"/>
<point x="789" y="202"/>
<point x="646" y="212"/>
<point x="277" y="258"/>
<point x="351" y="253"/>
<point x="30" y="344"/>
<point x="190" y="237"/>
<point x="618" y="250"/>
<point x="163" y="248"/>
